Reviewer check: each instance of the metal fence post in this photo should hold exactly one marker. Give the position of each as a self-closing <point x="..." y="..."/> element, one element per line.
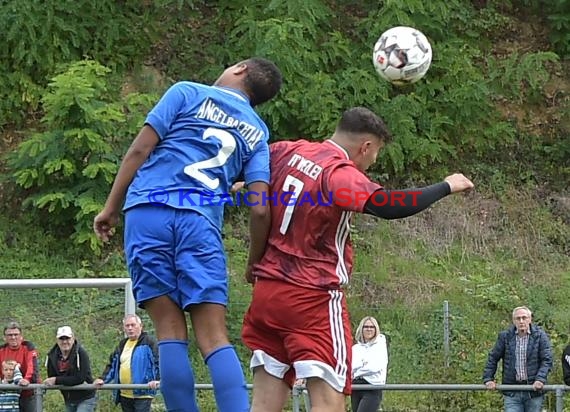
<point x="296" y="406"/>
<point x="39" y="398"/>
<point x="130" y="303"/>
<point x="307" y="401"/>
<point x="559" y="400"/>
<point x="446" y="332"/>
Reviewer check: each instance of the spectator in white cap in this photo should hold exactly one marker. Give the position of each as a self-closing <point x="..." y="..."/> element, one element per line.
<point x="68" y="364"/>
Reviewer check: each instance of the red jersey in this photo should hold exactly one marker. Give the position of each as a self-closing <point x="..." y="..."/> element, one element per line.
<point x="314" y="190"/>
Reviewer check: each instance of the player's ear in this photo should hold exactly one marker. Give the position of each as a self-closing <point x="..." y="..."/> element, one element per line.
<point x="239" y="68"/>
<point x="366" y="147"/>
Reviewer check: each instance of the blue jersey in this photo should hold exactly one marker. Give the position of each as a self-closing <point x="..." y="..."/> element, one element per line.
<point x="209" y="137"/>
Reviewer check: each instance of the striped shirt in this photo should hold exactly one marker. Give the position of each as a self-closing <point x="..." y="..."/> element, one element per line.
<point x="9" y="401"/>
<point x="520" y="354"/>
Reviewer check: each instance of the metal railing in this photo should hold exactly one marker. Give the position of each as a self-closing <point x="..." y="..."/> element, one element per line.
<point x="559" y="390"/>
<point x="299" y="392"/>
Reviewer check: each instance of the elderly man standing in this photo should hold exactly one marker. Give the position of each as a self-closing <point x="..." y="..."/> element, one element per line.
<point x="527" y="359"/>
<point x="24" y="352"/>
<point x="134" y="361"/>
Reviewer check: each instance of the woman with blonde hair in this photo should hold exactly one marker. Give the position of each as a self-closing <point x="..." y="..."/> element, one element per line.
<point x="369" y="365"/>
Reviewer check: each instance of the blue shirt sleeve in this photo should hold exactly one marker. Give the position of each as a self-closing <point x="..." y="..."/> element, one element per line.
<point x="166" y="111"/>
<point x="257" y="167"/>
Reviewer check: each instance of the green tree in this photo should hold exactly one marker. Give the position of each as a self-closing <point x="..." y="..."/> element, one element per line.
<point x="68" y="166"/>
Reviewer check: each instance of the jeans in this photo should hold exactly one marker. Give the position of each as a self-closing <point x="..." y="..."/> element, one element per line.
<point x="86" y="405"/>
<point x="521" y="401"/>
<point x="135" y="405"/>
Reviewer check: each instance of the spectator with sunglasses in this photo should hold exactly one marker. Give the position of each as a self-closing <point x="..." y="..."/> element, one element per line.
<point x="369" y="365"/>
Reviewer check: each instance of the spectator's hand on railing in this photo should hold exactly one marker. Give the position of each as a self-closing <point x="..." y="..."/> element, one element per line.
<point x="538" y="385"/>
<point x="24" y="382"/>
<point x="491" y="385"/>
<point x="49" y="381"/>
<point x="98" y="383"/>
<point x="154" y="384"/>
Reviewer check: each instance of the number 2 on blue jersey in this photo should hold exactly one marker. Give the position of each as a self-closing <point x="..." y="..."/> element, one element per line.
<point x="195" y="170"/>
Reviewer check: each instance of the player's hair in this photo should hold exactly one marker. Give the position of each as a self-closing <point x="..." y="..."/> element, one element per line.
<point x="358" y="120"/>
<point x="358" y="335"/>
<point x="263" y="80"/>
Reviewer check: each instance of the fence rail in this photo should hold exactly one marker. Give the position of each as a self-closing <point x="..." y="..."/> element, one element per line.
<point x="298" y="391"/>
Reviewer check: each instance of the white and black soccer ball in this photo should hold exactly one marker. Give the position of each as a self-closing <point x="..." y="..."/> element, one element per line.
<point x="402" y="55"/>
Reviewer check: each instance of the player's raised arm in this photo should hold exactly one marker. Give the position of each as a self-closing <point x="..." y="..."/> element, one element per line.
<point x="397" y="204"/>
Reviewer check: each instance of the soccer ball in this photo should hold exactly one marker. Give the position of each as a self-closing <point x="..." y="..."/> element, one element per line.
<point x="402" y="55"/>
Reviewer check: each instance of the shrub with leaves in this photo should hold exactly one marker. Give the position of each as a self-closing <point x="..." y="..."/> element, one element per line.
<point x="38" y="35"/>
<point x="68" y="167"/>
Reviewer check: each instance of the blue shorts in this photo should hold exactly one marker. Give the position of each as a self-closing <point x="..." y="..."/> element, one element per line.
<point x="177" y="253"/>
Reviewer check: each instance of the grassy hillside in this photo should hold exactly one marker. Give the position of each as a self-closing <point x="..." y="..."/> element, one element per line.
<point x="484" y="258"/>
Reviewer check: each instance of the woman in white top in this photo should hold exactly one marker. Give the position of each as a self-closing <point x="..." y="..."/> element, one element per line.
<point x="369" y="365"/>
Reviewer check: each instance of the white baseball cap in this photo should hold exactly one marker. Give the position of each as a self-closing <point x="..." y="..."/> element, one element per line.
<point x="64" y="331"/>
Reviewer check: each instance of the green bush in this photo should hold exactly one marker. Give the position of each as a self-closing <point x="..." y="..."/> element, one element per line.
<point x="38" y="36"/>
<point x="68" y="167"/>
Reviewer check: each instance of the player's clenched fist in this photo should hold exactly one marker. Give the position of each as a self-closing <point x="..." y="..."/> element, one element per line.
<point x="459" y="183"/>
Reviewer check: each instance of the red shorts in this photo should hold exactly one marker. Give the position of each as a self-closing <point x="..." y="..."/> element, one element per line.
<point x="299" y="333"/>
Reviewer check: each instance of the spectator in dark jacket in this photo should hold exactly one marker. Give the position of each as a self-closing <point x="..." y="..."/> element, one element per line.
<point x="527" y="359"/>
<point x="566" y="365"/>
<point x="134" y="361"/>
<point x="68" y="364"/>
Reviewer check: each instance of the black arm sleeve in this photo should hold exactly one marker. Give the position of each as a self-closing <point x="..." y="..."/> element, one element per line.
<point x="396" y="204"/>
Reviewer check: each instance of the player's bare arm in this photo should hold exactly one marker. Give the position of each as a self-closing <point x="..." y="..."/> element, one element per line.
<point x="137" y="154"/>
<point x="412" y="201"/>
<point x="259" y="224"/>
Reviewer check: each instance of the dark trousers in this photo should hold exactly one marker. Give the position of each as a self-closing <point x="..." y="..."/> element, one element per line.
<point x="365" y="401"/>
<point x="135" y="404"/>
<point x="28" y="403"/>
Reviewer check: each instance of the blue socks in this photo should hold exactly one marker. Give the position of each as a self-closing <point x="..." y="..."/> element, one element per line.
<point x="230" y="388"/>
<point x="176" y="376"/>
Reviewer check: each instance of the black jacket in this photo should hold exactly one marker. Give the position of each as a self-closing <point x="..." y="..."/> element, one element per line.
<point x="79" y="372"/>
<point x="566" y="365"/>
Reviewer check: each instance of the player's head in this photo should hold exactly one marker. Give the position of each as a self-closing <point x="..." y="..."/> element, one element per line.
<point x="362" y="133"/>
<point x="259" y="78"/>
